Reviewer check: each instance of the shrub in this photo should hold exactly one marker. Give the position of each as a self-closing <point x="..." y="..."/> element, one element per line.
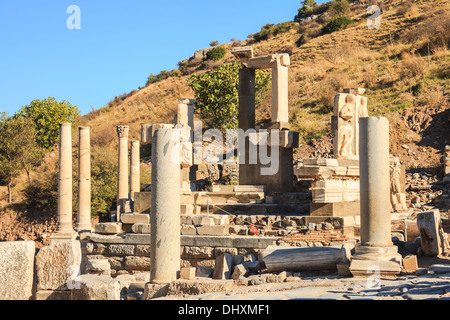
<point x="103" y="182"/>
<point x="176" y="73"/>
<point x="283" y="27"/>
<point x="337" y="23"/>
<point x="216" y="53"/>
<point x="164" y="74"/>
<point x="339" y="7"/>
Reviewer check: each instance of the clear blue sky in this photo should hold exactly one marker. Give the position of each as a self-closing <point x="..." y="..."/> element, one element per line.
<point x="119" y="44"/>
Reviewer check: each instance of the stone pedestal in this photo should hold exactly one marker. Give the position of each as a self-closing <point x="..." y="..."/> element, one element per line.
<point x="376" y="252"/>
<point x="135" y="173"/>
<point x="65" y="231"/>
<point x="84" y="181"/>
<point x="165" y="216"/>
<point x="122" y="180"/>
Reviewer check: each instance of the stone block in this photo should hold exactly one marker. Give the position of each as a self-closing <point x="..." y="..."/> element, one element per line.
<point x="187" y="273"/>
<point x="213" y="230"/>
<point x="93" y="287"/>
<point x="16" y="270"/>
<point x="153" y="291"/>
<point x="343" y="269"/>
<point x="142" y="202"/>
<point x="410" y="264"/>
<point x="58" y="265"/>
<point x="141" y="228"/>
<point x="187" y="229"/>
<point x="137" y="263"/>
<point x="143" y="250"/>
<point x="239" y="271"/>
<point x="121" y="249"/>
<point x="135" y="218"/>
<point x="108" y="228"/>
<point x="337" y="209"/>
<point x="223" y="267"/>
<point x="198" y="252"/>
<point x="53" y="295"/>
<point x="100" y="267"/>
<point x="428" y="224"/>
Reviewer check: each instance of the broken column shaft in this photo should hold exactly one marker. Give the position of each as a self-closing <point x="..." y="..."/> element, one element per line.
<point x="165" y="208"/>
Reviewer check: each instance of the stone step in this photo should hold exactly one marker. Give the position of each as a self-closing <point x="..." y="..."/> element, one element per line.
<point x="257" y="209"/>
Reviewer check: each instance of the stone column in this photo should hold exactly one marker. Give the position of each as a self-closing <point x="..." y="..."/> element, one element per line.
<point x="65" y="230"/>
<point x="84" y="180"/>
<point x="247" y="92"/>
<point x="165" y="208"/>
<point x="185" y="117"/>
<point x="135" y="174"/>
<point x="280" y="97"/>
<point x="122" y="177"/>
<point x="376" y="252"/>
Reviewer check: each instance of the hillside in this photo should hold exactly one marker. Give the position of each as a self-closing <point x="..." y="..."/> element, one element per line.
<point x="404" y="65"/>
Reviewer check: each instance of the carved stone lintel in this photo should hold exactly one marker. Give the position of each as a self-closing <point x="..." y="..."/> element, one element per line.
<point x="122" y="131"/>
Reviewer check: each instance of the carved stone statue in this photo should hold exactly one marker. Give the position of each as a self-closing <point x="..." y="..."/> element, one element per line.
<point x="398" y="196"/>
<point x="348" y="108"/>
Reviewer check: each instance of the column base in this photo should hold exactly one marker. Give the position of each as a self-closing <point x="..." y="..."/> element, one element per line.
<point x="369" y="261"/>
<point x="63" y="236"/>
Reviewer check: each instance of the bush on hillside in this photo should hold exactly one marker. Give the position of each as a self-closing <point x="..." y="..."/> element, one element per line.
<point x="270" y="29"/>
<point x="339" y="7"/>
<point x="216" y="53"/>
<point x="336" y="24"/>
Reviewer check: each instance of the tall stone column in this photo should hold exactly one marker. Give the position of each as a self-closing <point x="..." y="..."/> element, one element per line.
<point x="135" y="173"/>
<point x="122" y="177"/>
<point x="165" y="208"/>
<point x="84" y="180"/>
<point x="65" y="230"/>
<point x="280" y="96"/>
<point x="376" y="252"/>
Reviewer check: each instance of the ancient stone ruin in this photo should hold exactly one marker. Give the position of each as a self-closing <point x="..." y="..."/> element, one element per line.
<point x="177" y="234"/>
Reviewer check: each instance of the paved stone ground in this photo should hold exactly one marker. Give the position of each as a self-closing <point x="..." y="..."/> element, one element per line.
<point x="411" y="287"/>
<point x="430" y="283"/>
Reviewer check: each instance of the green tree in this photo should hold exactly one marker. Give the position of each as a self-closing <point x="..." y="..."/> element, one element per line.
<point x="18" y="149"/>
<point x="47" y="114"/>
<point x="306" y="8"/>
<point x="216" y="93"/>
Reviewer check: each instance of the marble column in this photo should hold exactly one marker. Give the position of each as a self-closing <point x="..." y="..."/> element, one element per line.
<point x="280" y="97"/>
<point x="84" y="180"/>
<point x="135" y="173"/>
<point x="64" y="231"/>
<point x="122" y="177"/>
<point x="376" y="252"/>
<point x="165" y="207"/>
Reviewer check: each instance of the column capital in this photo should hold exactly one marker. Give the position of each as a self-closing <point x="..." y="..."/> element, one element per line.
<point x="122" y="131"/>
